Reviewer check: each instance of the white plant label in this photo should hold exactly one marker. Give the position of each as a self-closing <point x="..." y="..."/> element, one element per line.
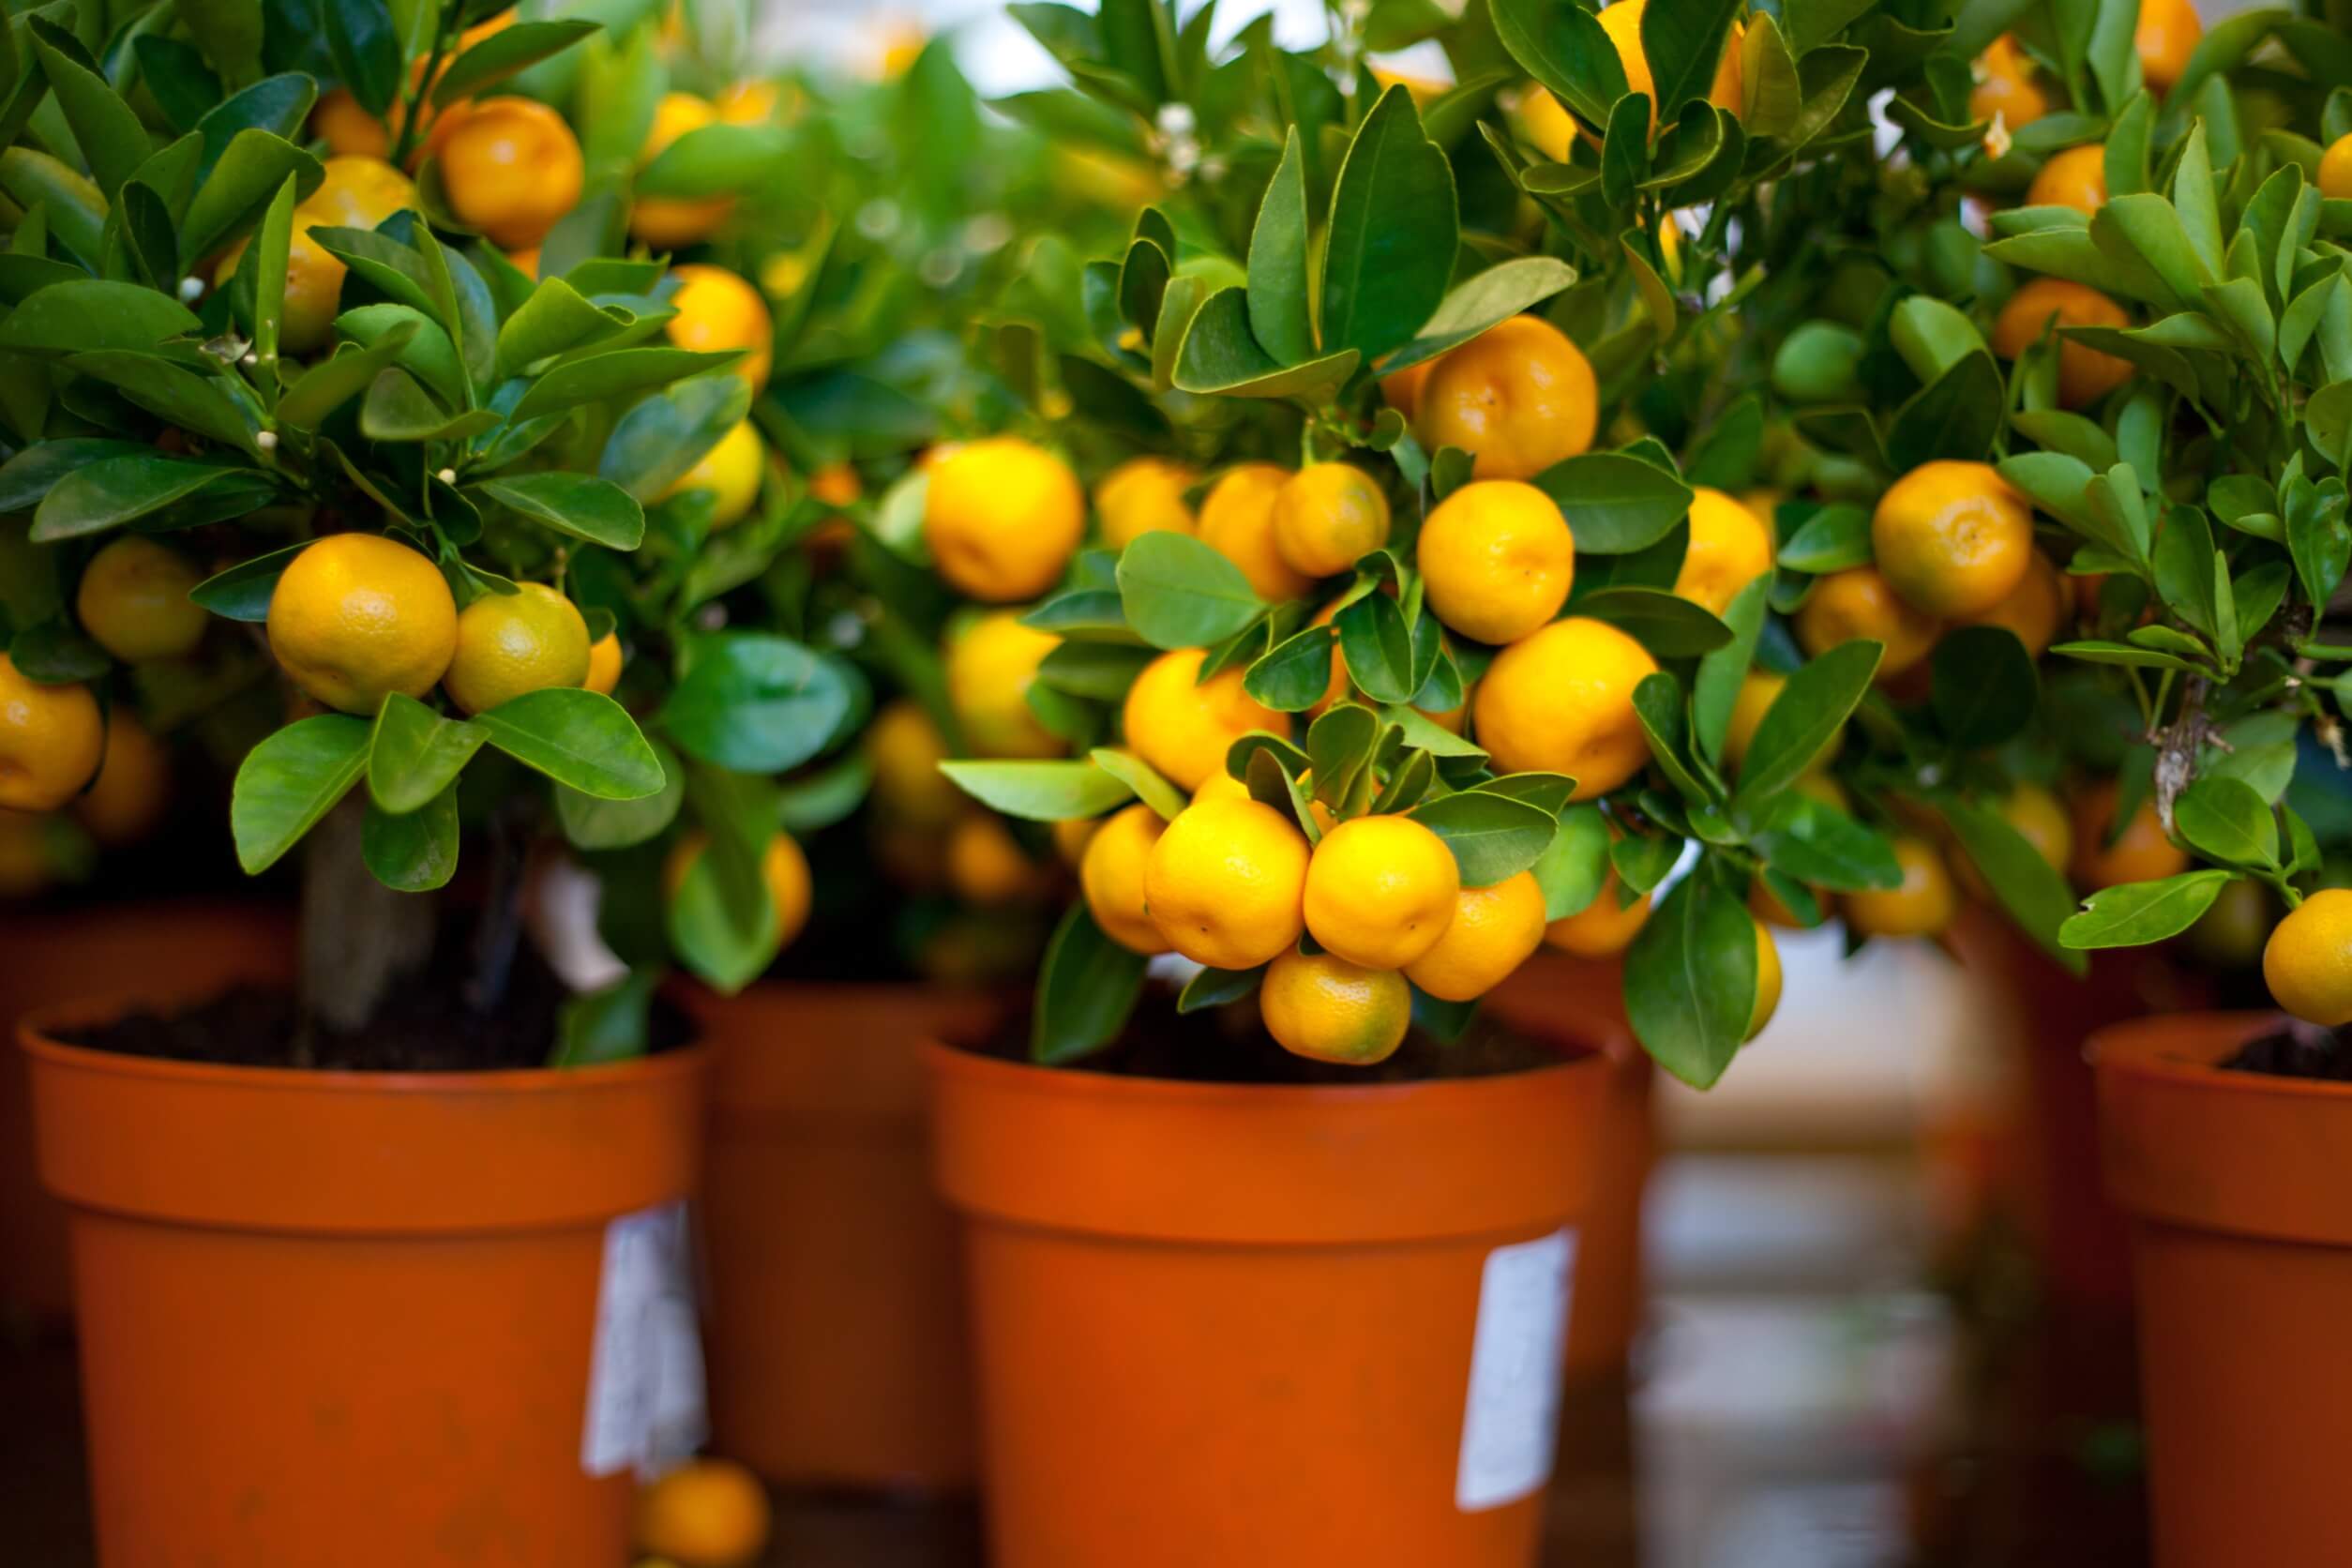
<point x="1510" y="1424"/>
<point x="645" y="1389"/>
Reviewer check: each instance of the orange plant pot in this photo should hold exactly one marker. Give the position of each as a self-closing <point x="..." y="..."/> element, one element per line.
<point x="53" y="955"/>
<point x="2240" y="1204"/>
<point x="1229" y="1323"/>
<point x="1544" y="999"/>
<point x="836" y="1307"/>
<point x="349" y="1318"/>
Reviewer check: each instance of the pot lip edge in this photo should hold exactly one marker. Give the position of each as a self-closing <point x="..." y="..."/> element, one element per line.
<point x="2123" y="1051"/>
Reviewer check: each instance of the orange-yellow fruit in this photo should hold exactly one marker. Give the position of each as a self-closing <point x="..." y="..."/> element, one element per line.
<point x="1496" y="559"/>
<point x="2167" y="35"/>
<point x="731" y="471"/>
<point x="1767" y="982"/>
<point x="1517" y="397"/>
<point x="2140" y="853"/>
<point x="1550" y="129"/>
<point x="133" y="600"/>
<point x="1922" y="905"/>
<point x="1758" y="692"/>
<point x="1145" y="495"/>
<point x="1730" y="548"/>
<point x="2085" y="374"/>
<point x="2034" y="610"/>
<point x="356" y="193"/>
<point x="750" y="103"/>
<point x="1493" y="932"/>
<point x="348" y="130"/>
<point x="512" y="643"/>
<point x="2307" y="963"/>
<point x="1003" y="518"/>
<point x="1322" y="1007"/>
<point x="674" y="222"/>
<point x="1953" y="538"/>
<point x="356" y="616"/>
<point x="1237" y="520"/>
<point x="718" y="312"/>
<point x="1562" y="701"/>
<point x="1622" y="22"/>
<point x="1381" y="890"/>
<point x="1603" y="928"/>
<point x="1326" y="517"/>
<point x="1858" y="603"/>
<point x="1225" y="883"/>
<point x="990" y="668"/>
<point x="1184" y="728"/>
<point x="510" y="167"/>
<point x="2040" y="820"/>
<point x="1111" y="874"/>
<point x="837" y="484"/>
<point x="604" y="664"/>
<point x="783" y="869"/>
<point x="2076" y="178"/>
<point x="986" y="864"/>
<point x="705" y="1513"/>
<point x="905" y="748"/>
<point x="133" y="785"/>
<point x="1401" y="390"/>
<point x="2005" y="87"/>
<point x="2335" y="170"/>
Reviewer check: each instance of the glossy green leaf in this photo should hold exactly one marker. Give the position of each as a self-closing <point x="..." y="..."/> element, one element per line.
<point x="2224" y="820"/>
<point x="289" y="781"/>
<point x="1805" y="719"/>
<point x="502" y="53"/>
<point x="1139" y="776"/>
<point x="414" y="852"/>
<point x="1213" y="351"/>
<point x="594" y="824"/>
<point x="580" y="505"/>
<point x="1984" y="689"/>
<point x="614" y="1024"/>
<point x="1177" y="593"/>
<point x="1388" y="253"/>
<point x="1278" y="313"/>
<point x="2034" y="892"/>
<point x="415" y="754"/>
<point x="1492" y="836"/>
<point x="1615" y="503"/>
<point x="1040" y="792"/>
<point x="2132" y="914"/>
<point x="1086" y="989"/>
<point x="755" y="703"/>
<point x="1690" y="980"/>
<point x="1670" y="626"/>
<point x="580" y="738"/>
<point x="116" y="490"/>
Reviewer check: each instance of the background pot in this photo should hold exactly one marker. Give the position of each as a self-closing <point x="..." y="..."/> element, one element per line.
<point x="2240" y="1201"/>
<point x="836" y="1307"/>
<point x="1230" y="1323"/>
<point x="186" y="947"/>
<point x="349" y="1318"/>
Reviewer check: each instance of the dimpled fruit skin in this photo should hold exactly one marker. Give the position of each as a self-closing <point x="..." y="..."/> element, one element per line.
<point x="1562" y="701"/>
<point x="357" y="615"/>
<point x="1003" y="518"/>
<point x="1381" y="890"/>
<point x="1922" y="905"/>
<point x="1182" y="728"/>
<point x="1111" y="873"/>
<point x="2085" y="374"/>
<point x="511" y="168"/>
<point x="1237" y="520"/>
<point x="1518" y="397"/>
<point x="1951" y="538"/>
<point x="718" y="312"/>
<point x="1497" y="560"/>
<point x="1320" y="1006"/>
<point x="1326" y="517"/>
<point x="1859" y="603"/>
<point x="133" y="601"/>
<point x="2307" y="963"/>
<point x="1493" y="932"/>
<point x="1145" y="495"/>
<point x="2034" y="610"/>
<point x="2076" y="178"/>
<point x="1603" y="928"/>
<point x="1224" y="883"/>
<point x="1730" y="546"/>
<point x="51" y="741"/>
<point x="513" y="643"/>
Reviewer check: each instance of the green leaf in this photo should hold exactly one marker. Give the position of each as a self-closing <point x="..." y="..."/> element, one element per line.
<point x="269" y="255"/>
<point x="1485" y="300"/>
<point x="580" y="505"/>
<point x="1294" y="673"/>
<point x="243" y="591"/>
<point x="1574" y="865"/>
<point x="1565" y="48"/>
<point x="2034" y="892"/>
<point x="111" y="137"/>
<point x="1984" y="688"/>
<point x="1217" y="988"/>
<point x="594" y="824"/>
<point x="240" y="187"/>
<point x="53" y="652"/>
<point x="1658" y="706"/>
<point x="722" y="920"/>
<point x="1040" y="792"/>
<point x="1805" y="719"/>
<point x="554" y="319"/>
<point x="364" y="43"/>
<point x="600" y="1027"/>
<point x="1177" y="593"/>
<point x="1624" y="156"/>
<point x="289" y="781"/>
<point x="1690" y="980"/>
<point x="575" y="737"/>
<point x="502" y="53"/>
<point x="1139" y="776"/>
<point x="658" y="439"/>
<point x="1086" y="989"/>
<point x="1214" y="351"/>
<point x="1380" y="648"/>
<point x="2184" y="565"/>
<point x="2224" y="818"/>
<point x="2320" y="544"/>
<point x="116" y="490"/>
<point x="1956" y="416"/>
<point x="179" y="397"/>
<point x="331" y="383"/>
<point x="1670" y="626"/>
<point x="1684" y="42"/>
<point x="1492" y="836"/>
<point x="1833" y="539"/>
<point x="755" y="703"/>
<point x="1278" y="313"/>
<point x="1389" y="251"/>
<point x="1722" y="672"/>
<point x="617" y="373"/>
<point x="719" y="159"/>
<point x="2132" y="914"/>
<point x="33" y="473"/>
<point x="91" y="313"/>
<point x="415" y="753"/>
<point x="1818" y="845"/>
<point x="1615" y="503"/>
<point x="414" y="851"/>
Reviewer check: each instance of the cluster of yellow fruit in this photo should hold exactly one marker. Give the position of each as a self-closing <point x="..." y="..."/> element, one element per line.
<point x="2012" y="89"/>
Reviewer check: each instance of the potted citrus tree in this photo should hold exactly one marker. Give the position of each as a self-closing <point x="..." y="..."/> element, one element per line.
<point x="1424" y="624"/>
<point x="313" y="399"/>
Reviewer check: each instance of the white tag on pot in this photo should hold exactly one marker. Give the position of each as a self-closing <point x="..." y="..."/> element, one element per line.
<point x="645" y="1390"/>
<point x="1510" y="1424"/>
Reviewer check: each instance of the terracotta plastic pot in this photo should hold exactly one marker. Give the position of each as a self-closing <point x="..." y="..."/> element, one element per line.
<point x="349" y="1319"/>
<point x="2241" y="1203"/>
<point x="836" y="1305"/>
<point x="1224" y="1323"/>
<point x="1546" y="998"/>
<point x="53" y="955"/>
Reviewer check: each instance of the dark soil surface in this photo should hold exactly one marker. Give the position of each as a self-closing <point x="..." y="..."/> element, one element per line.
<point x="1229" y="1044"/>
<point x="425" y="1026"/>
<point x="2298" y="1051"/>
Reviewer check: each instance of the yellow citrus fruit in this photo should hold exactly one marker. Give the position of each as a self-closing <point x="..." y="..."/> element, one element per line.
<point x="1380" y="890"/>
<point x="348" y="130"/>
<point x="2166" y="35"/>
<point x="986" y="864"/>
<point x="1327" y="516"/>
<point x="1622" y="22"/>
<point x="1225" y="883"/>
<point x="1768" y="981"/>
<point x="991" y="665"/>
<point x="1237" y="520"/>
<point x="356" y="616"/>
<point x="705" y="1513"/>
<point x="718" y="312"/>
<point x="513" y="643"/>
<point x="783" y="868"/>
<point x="1550" y="129"/>
<point x="1497" y="560"/>
<point x="2335" y="170"/>
<point x="1730" y="548"/>
<point x="1003" y="518"/>
<point x="1145" y="495"/>
<point x="2040" y="820"/>
<point x="674" y="222"/>
<point x="1111" y="874"/>
<point x="2085" y="374"/>
<point x="2076" y="178"/>
<point x="1072" y="835"/>
<point x="133" y="785"/>
<point x="1562" y="701"/>
<point x="1951" y="538"/>
<point x="1859" y="603"/>
<point x="750" y="103"/>
<point x="1603" y="928"/>
<point x="1517" y="397"/>
<point x="1220" y="785"/>
<point x="2307" y="963"/>
<point x="1922" y="905"/>
<point x="356" y="193"/>
<point x="905" y="748"/>
<point x="510" y="167"/>
<point x="133" y="600"/>
<point x="1184" y="728"/>
<point x="2034" y="610"/>
<point x="2140" y="853"/>
<point x="1401" y="390"/>
<point x="731" y="471"/>
<point x="604" y="664"/>
<point x="1493" y="932"/>
<point x="1322" y="1007"/>
<point x="525" y="261"/>
<point x="837" y="484"/>
<point x="2005" y="87"/>
<point x="26" y="864"/>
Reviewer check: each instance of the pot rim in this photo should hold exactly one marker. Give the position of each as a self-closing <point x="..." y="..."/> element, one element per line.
<point x="2152" y="1048"/>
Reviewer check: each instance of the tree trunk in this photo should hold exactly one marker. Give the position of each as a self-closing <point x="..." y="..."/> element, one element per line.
<point x="359" y="937"/>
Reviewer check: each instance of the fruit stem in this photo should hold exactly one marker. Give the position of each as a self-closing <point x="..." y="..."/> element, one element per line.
<point x="413" y="109"/>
